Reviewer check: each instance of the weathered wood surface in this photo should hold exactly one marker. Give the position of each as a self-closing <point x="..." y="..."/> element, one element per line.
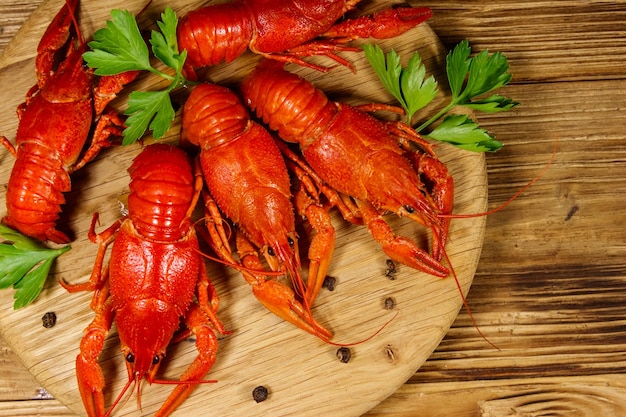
<point x="551" y="283"/>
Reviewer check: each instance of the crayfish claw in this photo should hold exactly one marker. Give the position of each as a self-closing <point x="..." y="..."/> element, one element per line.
<point x="281" y="301"/>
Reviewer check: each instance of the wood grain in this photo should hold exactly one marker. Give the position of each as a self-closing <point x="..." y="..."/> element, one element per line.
<point x="263" y="350"/>
<point x="550" y="282"/>
<point x="545" y="41"/>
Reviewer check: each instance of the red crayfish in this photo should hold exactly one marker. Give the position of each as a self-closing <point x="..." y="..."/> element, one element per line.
<point x="247" y="180"/>
<point x="55" y="123"/>
<point x="155" y="270"/>
<point x="284" y="30"/>
<point x="360" y="157"/>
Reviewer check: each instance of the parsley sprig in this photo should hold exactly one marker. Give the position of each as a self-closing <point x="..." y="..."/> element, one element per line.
<point x="24" y="264"/>
<point x="119" y="47"/>
<point x="470" y="79"/>
<point x="408" y="85"/>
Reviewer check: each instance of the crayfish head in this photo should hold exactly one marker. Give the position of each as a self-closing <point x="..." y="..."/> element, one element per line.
<point x="71" y="82"/>
<point x="145" y="335"/>
<point x="281" y="253"/>
<point x="136" y="375"/>
<point x="143" y="364"/>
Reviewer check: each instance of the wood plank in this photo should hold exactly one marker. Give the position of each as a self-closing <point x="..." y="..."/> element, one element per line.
<point x="552" y="305"/>
<point x="30" y="408"/>
<point x="544" y="40"/>
<point x="16" y="382"/>
<point x="277" y="347"/>
<point x="542" y="292"/>
<point x="590" y="342"/>
<point x="601" y="395"/>
<point x="14" y="14"/>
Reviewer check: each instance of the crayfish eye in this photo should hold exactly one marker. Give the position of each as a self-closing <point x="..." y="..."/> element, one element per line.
<point x="409" y="209"/>
<point x="155" y="360"/>
<point x="130" y="358"/>
<point x="271" y="252"/>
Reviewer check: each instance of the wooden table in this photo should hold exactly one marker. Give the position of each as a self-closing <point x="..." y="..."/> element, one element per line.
<point x="550" y="290"/>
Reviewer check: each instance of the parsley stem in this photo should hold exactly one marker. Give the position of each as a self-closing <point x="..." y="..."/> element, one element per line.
<point x="436" y="117"/>
<point x="162" y="74"/>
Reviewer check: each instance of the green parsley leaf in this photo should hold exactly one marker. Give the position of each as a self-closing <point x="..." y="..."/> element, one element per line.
<point x="387" y="68"/>
<point x="492" y="104"/>
<point x="486" y="73"/>
<point x="24" y="264"/>
<point x="418" y="91"/>
<point x="457" y="66"/>
<point x="461" y="131"/>
<point x="120" y="47"/>
<point x="470" y="78"/>
<point x="148" y="109"/>
<point x="407" y="85"/>
<point x="165" y="43"/>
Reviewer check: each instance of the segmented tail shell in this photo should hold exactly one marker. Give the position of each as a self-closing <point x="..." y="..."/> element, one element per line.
<point x="35" y="193"/>
<point x="161" y="187"/>
<point x="213" y="115"/>
<point x="214" y="34"/>
<point x="274" y="94"/>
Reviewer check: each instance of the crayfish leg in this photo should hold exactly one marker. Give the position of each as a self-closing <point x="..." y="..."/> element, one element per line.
<point x="314" y="48"/>
<point x="440" y="191"/>
<point x="8" y="145"/>
<point x="88" y="372"/>
<point x="108" y="87"/>
<point x="109" y="124"/>
<point x="55" y="37"/>
<point x="206" y="343"/>
<point x="275" y="296"/>
<point x="400" y="248"/>
<point x="322" y="245"/>
<point x="385" y="24"/>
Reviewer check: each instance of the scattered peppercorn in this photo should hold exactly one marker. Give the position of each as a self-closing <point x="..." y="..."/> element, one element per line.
<point x="49" y="319"/>
<point x="344" y="354"/>
<point x="390" y="303"/>
<point x="391" y="269"/>
<point x="329" y="283"/>
<point x="260" y="394"/>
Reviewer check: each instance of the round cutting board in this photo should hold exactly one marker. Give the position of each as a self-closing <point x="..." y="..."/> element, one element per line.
<point x="302" y="373"/>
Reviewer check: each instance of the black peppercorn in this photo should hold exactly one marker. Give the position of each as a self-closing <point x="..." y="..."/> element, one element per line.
<point x="49" y="319"/>
<point x="260" y="393"/>
<point x="329" y="283"/>
<point x="391" y="269"/>
<point x="344" y="354"/>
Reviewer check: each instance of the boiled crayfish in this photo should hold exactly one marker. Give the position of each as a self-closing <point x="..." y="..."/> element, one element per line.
<point x="360" y="157"/>
<point x="284" y="30"/>
<point x="155" y="270"/>
<point x="247" y="180"/>
<point x="55" y="122"/>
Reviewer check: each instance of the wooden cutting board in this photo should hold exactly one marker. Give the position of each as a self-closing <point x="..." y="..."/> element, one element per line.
<point x="302" y="373"/>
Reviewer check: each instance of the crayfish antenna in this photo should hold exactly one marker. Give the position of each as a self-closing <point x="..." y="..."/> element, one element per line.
<point x="366" y="339"/>
<point x="466" y="304"/>
<point x="71" y="4"/>
<point x="120" y="396"/>
<point x="510" y="200"/>
<point x="190" y="382"/>
<point x="306" y="305"/>
<point x="486" y="213"/>
<point x="138" y="385"/>
<point x="202" y="232"/>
